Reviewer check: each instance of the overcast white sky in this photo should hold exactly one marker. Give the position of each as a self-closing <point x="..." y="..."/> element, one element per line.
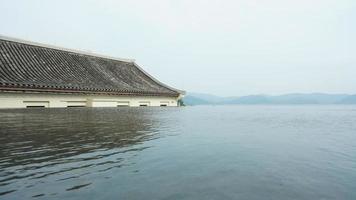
<point x="227" y="48"/>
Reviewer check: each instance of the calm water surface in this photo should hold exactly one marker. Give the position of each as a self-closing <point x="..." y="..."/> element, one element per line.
<point x="203" y="152"/>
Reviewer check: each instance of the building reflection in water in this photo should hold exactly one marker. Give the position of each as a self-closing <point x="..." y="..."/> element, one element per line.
<point x="57" y="145"/>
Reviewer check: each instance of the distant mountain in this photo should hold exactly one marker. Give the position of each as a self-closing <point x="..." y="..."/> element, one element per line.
<point x="295" y="98"/>
<point x="193" y="100"/>
<point x="351" y="99"/>
<point x="313" y="98"/>
<point x="206" y="97"/>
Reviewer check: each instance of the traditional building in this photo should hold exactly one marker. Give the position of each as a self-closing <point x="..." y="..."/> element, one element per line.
<point x="37" y="75"/>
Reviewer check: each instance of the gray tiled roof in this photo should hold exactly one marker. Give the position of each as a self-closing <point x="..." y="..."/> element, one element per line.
<point x="30" y="67"/>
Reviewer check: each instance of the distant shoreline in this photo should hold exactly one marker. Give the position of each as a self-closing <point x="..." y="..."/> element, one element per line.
<point x="286" y="99"/>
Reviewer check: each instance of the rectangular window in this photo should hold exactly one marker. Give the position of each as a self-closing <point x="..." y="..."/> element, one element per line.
<point x="36" y="104"/>
<point x="164" y="103"/>
<point x="144" y="103"/>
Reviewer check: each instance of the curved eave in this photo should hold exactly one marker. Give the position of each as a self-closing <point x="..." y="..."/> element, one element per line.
<point x="181" y="92"/>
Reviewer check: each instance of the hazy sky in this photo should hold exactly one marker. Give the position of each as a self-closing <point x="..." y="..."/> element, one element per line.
<point x="221" y="47"/>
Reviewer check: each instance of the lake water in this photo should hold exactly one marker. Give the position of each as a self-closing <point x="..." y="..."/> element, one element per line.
<point x="202" y="152"/>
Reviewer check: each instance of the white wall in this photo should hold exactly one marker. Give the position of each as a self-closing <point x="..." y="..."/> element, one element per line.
<point x="21" y="100"/>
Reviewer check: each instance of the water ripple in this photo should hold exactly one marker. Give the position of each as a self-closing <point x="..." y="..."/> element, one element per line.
<point x="68" y="149"/>
<point x="78" y="187"/>
<point x="237" y="152"/>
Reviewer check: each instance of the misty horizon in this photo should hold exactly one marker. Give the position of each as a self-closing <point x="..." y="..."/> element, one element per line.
<point x="262" y="99"/>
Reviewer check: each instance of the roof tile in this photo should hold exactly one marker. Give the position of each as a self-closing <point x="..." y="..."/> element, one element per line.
<point x="25" y="66"/>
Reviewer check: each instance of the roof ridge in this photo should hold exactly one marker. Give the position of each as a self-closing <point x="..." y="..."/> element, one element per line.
<point x="49" y="46"/>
